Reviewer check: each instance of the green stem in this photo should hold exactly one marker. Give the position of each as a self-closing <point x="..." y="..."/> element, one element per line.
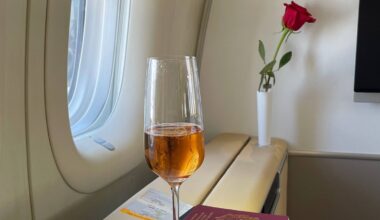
<point x="285" y="33"/>
<point x="267" y="83"/>
<point x="283" y="37"/>
<point x="265" y="78"/>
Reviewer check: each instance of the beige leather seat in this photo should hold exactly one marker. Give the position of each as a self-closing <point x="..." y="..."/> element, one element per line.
<point x="235" y="174"/>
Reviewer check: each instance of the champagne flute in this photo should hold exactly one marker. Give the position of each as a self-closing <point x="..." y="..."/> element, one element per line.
<point x="173" y="123"/>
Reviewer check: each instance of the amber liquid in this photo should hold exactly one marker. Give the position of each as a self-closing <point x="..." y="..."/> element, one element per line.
<point x="174" y="151"/>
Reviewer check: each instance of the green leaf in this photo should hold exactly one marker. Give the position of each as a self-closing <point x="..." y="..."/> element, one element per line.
<point x="285" y="59"/>
<point x="268" y="68"/>
<point x="261" y="82"/>
<point x="262" y="50"/>
<point x="274" y="79"/>
<point x="267" y="86"/>
<point x="272" y="76"/>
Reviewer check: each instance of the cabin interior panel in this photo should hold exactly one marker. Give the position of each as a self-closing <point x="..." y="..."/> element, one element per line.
<point x="333" y="186"/>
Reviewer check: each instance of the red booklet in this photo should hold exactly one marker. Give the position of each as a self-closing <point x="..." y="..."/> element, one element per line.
<point x="201" y="212"/>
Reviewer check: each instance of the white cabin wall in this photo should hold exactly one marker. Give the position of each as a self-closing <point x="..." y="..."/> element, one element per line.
<point x="313" y="104"/>
<point x="159" y="27"/>
<point x="14" y="189"/>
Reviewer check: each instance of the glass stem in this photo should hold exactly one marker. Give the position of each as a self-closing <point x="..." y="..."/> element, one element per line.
<point x="175" y="199"/>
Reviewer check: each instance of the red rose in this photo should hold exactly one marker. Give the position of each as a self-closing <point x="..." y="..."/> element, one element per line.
<point x="296" y="16"/>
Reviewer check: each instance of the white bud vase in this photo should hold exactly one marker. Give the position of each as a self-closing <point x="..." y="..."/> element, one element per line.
<point x="264" y="112"/>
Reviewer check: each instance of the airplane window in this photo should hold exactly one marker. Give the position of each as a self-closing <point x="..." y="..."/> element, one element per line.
<point x="94" y="113"/>
<point x="96" y="52"/>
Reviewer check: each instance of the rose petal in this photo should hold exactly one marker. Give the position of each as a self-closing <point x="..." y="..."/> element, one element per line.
<point x="311" y="20"/>
<point x="299" y="8"/>
<point x="290" y="19"/>
<point x="296" y="16"/>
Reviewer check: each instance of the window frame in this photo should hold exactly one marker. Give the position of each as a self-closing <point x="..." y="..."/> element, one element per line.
<point x="85" y="165"/>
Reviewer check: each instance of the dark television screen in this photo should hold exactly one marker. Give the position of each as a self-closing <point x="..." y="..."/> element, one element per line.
<point x="367" y="74"/>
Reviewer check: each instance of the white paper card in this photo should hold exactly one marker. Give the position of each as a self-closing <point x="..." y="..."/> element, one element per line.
<point x="156" y="205"/>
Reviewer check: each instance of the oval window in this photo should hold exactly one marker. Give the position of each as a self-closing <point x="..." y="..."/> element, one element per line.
<point x="87" y="126"/>
<point x="96" y="52"/>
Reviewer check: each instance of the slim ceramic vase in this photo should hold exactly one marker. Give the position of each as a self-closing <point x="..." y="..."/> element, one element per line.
<point x="264" y="112"/>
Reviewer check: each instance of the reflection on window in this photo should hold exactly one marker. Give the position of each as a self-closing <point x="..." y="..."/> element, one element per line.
<point x="96" y="53"/>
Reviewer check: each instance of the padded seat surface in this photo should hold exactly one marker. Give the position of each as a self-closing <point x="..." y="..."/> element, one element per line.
<point x="219" y="154"/>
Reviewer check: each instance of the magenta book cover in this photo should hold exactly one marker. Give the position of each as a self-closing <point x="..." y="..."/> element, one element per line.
<point x="201" y="212"/>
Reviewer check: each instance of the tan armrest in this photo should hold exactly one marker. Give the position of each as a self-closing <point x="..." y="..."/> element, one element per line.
<point x="246" y="184"/>
<point x="219" y="154"/>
